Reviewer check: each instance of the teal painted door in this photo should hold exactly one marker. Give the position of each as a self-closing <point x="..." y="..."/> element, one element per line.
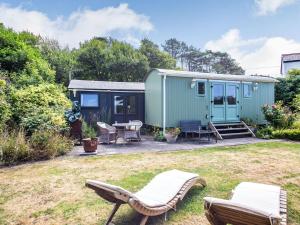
<point x="232" y="109"/>
<point x="224" y="102"/>
<point x="218" y="102"/>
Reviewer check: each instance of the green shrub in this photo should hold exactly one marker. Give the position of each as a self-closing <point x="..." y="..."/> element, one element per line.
<point x="88" y="131"/>
<point x="296" y="124"/>
<point x="265" y="132"/>
<point x="278" y="116"/>
<point x="291" y="134"/>
<point x="158" y="135"/>
<point x="48" y="144"/>
<point x="40" y="107"/>
<point x="14" y="148"/>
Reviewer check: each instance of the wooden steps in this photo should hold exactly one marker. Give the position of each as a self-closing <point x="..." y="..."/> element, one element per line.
<point x="231" y="130"/>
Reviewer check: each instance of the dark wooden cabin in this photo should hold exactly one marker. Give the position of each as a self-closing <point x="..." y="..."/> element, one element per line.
<point x="109" y="101"/>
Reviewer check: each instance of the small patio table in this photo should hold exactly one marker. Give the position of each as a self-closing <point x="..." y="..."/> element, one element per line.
<point x="124" y="131"/>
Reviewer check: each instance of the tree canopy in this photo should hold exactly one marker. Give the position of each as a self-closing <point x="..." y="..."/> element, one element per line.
<point x="193" y="59"/>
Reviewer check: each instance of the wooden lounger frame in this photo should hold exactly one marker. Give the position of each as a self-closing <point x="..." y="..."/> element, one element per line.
<point x="219" y="214"/>
<point x="119" y="197"/>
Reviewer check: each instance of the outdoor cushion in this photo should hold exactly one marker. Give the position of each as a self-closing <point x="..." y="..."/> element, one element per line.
<point x="258" y="196"/>
<point x="163" y="187"/>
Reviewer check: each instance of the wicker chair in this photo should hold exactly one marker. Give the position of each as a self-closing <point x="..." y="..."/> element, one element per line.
<point x="159" y="196"/>
<point x="251" y="204"/>
<point x="134" y="131"/>
<point x="107" y="133"/>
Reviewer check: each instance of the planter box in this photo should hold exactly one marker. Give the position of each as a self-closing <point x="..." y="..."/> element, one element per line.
<point x="90" y="144"/>
<point x="170" y="138"/>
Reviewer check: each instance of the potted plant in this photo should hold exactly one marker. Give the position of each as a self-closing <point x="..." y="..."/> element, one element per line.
<point x="73" y="117"/>
<point x="172" y="134"/>
<point x="90" y="140"/>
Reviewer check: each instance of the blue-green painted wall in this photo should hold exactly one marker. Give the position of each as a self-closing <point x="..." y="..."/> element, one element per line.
<point x="153" y="99"/>
<point x="251" y="107"/>
<point x="183" y="102"/>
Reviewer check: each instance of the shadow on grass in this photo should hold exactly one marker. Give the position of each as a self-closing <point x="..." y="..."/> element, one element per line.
<point x="183" y="207"/>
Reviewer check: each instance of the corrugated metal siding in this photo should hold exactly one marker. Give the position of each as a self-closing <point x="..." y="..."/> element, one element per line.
<point x="251" y="107"/>
<point x="183" y="102"/>
<point x="153" y="99"/>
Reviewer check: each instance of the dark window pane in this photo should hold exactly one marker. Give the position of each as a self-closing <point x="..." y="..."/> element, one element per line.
<point x="131" y="105"/>
<point x="218" y="93"/>
<point x="231" y="95"/>
<point x="89" y="100"/>
<point x="201" y="88"/>
<point x="118" y="105"/>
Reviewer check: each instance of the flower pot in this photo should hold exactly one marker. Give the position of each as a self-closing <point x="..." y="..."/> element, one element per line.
<point x="90" y="144"/>
<point x="170" y="138"/>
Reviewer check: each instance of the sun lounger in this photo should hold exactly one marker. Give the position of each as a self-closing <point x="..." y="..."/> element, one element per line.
<point x="251" y="204"/>
<point x="159" y="196"/>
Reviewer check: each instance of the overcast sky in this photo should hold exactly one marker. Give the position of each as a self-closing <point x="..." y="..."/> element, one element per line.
<point x="254" y="32"/>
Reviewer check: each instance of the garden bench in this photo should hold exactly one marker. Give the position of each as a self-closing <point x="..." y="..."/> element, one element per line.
<point x="194" y="126"/>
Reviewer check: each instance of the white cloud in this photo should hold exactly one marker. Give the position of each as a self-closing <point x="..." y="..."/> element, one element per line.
<point x="271" y="6"/>
<point x="256" y="56"/>
<point x="80" y="25"/>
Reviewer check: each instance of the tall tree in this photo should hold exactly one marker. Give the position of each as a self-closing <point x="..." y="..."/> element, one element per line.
<point x="156" y="57"/>
<point x="61" y="59"/>
<point x="172" y="46"/>
<point x="107" y="59"/>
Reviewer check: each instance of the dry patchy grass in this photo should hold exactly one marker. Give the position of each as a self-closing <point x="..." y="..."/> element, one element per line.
<point x="53" y="192"/>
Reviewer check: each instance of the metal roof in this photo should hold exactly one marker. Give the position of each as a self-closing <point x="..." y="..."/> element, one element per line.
<point x="106" y="85"/>
<point x="290" y="57"/>
<point x="215" y="76"/>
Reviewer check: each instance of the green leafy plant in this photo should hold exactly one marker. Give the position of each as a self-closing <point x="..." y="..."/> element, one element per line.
<point x="158" y="135"/>
<point x="278" y="116"/>
<point x="265" y="132"/>
<point x="291" y="134"/>
<point x="88" y="131"/>
<point x="14" y="148"/>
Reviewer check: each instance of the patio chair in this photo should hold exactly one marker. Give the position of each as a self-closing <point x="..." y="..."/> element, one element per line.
<point x="133" y="131"/>
<point x="107" y="133"/>
<point x="159" y="196"/>
<point x="251" y="204"/>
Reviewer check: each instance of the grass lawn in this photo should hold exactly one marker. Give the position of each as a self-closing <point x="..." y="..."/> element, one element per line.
<point x="53" y="192"/>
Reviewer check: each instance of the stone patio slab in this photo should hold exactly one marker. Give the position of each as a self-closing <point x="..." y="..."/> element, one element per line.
<point x="149" y="145"/>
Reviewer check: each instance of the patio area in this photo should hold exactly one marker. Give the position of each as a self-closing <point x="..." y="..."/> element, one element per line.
<point x="147" y="144"/>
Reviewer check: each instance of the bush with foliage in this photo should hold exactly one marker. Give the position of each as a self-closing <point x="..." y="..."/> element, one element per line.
<point x="40" y="107"/>
<point x="287" y="88"/>
<point x="48" y="144"/>
<point x="14" y="148"/>
<point x="278" y="116"/>
<point x="5" y="111"/>
<point x="88" y="131"/>
<point x="21" y="58"/>
<point x="265" y="132"/>
<point x="291" y="134"/>
<point x="158" y="135"/>
<point x="174" y="132"/>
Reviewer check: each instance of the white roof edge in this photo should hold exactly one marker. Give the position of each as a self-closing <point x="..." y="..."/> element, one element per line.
<point x="215" y="76"/>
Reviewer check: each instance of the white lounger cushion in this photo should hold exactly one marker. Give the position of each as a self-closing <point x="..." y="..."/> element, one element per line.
<point x="163" y="187"/>
<point x="258" y="196"/>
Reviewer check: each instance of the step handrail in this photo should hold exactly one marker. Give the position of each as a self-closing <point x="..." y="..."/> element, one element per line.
<point x="253" y="135"/>
<point x="214" y="129"/>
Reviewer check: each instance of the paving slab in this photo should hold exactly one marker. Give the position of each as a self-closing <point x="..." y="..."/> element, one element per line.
<point x="149" y="145"/>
